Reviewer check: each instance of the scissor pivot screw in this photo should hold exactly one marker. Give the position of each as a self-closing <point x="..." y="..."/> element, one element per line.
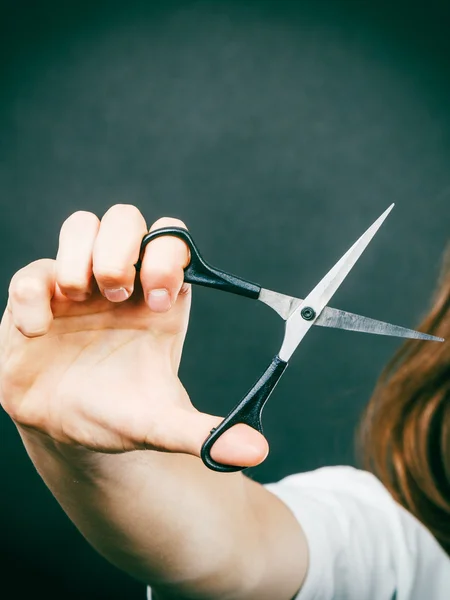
<point x="308" y="313"/>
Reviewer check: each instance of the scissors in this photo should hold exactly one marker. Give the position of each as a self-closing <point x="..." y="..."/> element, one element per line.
<point x="300" y="315"/>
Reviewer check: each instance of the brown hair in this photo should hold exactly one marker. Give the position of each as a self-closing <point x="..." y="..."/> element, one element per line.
<point x="405" y="431"/>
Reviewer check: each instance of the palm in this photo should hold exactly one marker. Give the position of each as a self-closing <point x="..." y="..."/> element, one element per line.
<point x="101" y="371"/>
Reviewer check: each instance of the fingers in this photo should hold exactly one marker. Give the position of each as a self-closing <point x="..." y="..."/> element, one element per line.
<point x="74" y="258"/>
<point x="30" y="292"/>
<point x="116" y="250"/>
<point x="162" y="267"/>
<point x="108" y="251"/>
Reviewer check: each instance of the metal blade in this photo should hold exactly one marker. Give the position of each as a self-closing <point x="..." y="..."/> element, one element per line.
<point x="280" y="303"/>
<point x="340" y="319"/>
<point x="327" y="287"/>
<point x="298" y="325"/>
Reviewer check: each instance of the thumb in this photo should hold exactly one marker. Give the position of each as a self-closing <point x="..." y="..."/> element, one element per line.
<point x="240" y="445"/>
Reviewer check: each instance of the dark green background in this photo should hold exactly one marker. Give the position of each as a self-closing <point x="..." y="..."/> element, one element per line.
<point x="278" y="131"/>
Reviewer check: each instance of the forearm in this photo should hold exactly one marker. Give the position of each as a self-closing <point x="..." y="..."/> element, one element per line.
<point x="96" y="370"/>
<point x="164" y="518"/>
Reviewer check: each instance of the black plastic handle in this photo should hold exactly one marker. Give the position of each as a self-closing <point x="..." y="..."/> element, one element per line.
<point x="198" y="271"/>
<point x="248" y="411"/>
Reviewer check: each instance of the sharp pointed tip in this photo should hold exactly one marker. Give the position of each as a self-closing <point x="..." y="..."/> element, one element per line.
<point x="433" y="338"/>
<point x="383" y="216"/>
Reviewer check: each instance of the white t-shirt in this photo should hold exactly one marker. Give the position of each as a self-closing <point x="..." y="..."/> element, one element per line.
<point x="362" y="544"/>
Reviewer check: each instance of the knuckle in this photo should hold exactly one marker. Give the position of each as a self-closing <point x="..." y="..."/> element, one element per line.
<point x="168" y="222"/>
<point x="165" y="272"/>
<point x="34" y="328"/>
<point x="26" y="288"/>
<point x="79" y="215"/>
<point x="112" y="273"/>
<point x="163" y="277"/>
<point x="124" y="210"/>
<point x="69" y="284"/>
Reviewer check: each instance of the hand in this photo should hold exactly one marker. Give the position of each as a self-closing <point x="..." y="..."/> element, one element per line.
<point x="90" y="350"/>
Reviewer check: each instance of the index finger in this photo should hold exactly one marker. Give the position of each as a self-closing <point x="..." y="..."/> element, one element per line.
<point x="30" y="293"/>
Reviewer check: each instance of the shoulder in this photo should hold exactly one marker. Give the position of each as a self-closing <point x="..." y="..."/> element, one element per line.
<point x="359" y="538"/>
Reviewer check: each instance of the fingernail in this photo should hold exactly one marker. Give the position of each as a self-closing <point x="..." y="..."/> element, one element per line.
<point x="116" y="294"/>
<point x="159" y="300"/>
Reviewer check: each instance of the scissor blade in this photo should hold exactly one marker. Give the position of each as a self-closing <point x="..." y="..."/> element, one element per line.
<point x="326" y="288"/>
<point x="340" y="319"/>
<point x="297" y="326"/>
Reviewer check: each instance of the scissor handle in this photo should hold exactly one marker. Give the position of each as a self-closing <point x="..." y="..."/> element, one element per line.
<point x="248" y="411"/>
<point x="198" y="270"/>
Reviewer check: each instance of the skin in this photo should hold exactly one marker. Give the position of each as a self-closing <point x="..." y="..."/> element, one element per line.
<point x="89" y="357"/>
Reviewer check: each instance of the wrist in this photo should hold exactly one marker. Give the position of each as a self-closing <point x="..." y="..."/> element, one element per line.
<point x="92" y="467"/>
<point x="45" y="450"/>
